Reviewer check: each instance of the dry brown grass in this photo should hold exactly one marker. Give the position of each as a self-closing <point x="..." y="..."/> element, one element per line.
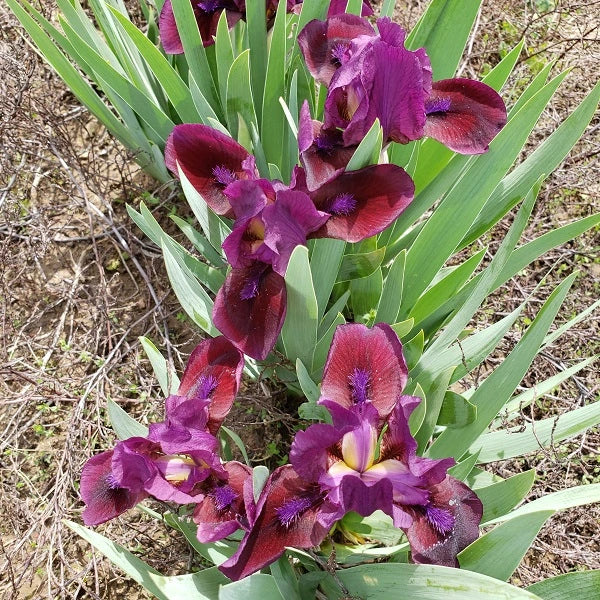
<point x="79" y="283"/>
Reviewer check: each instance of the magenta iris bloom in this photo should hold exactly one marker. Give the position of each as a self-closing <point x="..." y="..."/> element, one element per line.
<point x="372" y="75"/>
<point x="365" y="461"/>
<point x="179" y="460"/>
<point x="210" y="160"/>
<point x="207" y="13"/>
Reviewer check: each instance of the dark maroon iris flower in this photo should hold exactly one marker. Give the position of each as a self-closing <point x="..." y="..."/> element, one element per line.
<point x="364" y="461"/>
<point x="373" y="76"/>
<point x="179" y="460"/>
<point x="210" y="160"/>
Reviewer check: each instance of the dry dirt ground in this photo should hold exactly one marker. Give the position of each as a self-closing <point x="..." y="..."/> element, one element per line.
<point x="79" y="284"/>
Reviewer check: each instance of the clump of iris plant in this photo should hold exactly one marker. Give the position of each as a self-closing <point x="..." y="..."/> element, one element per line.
<point x="364" y="461"/>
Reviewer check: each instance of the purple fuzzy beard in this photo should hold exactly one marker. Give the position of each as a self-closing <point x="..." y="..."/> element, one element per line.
<point x="440" y="105"/>
<point x="223" y="497"/>
<point x="223" y="175"/>
<point x="359" y="383"/>
<point x="440" y="519"/>
<point x="342" y="204"/>
<point x="290" y="512"/>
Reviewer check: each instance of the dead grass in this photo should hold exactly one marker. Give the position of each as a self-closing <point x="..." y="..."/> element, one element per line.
<point x="79" y="284"/>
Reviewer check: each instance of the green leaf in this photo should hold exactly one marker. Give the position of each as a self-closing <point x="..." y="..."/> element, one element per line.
<point x="403" y="328"/>
<point x="285" y="578"/>
<point x="363" y="264"/>
<point x="518" y="403"/>
<point x="273" y="128"/>
<point x="435" y="397"/>
<point x="368" y="150"/>
<point x="309" y="387"/>
<point x="391" y="296"/>
<point x="377" y="526"/>
<point x="325" y="258"/>
<point x="499" y="552"/>
<point x="239" y="94"/>
<point x="446" y="288"/>
<point x="260" y="474"/>
<point x="124" y="425"/>
<point x="195" y="54"/>
<point x="200" y="242"/>
<point x="443" y="30"/>
<point x="323" y="345"/>
<point x="499" y="75"/>
<point x="418" y="414"/>
<point x="256" y="586"/>
<point x="224" y="55"/>
<point x="203" y="585"/>
<point x="456" y="411"/>
<point x="237" y="440"/>
<point x="569" y="498"/>
<point x="365" y="294"/>
<point x="299" y="333"/>
<point x="413" y="350"/>
<point x="493" y="393"/>
<point x="437" y="241"/>
<point x="581" y="585"/>
<point x="191" y="295"/>
<point x="167" y="379"/>
<point x="257" y="41"/>
<point x="332" y="314"/>
<point x="502" y="496"/>
<point x="515" y="441"/>
<point x="546" y="157"/>
<point x="170" y="81"/>
<point x="382" y="582"/>
<point x="462" y="469"/>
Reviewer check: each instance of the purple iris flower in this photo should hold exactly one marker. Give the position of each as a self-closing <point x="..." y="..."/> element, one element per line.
<point x="210" y="160"/>
<point x="365" y="461"/>
<point x="178" y="461"/>
<point x="207" y="13"/>
<point x="372" y="75"/>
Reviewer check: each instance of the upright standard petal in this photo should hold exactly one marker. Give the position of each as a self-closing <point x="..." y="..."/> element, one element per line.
<point x="210" y="160"/>
<point x="250" y="309"/>
<point x="287" y="515"/>
<point x="365" y="365"/>
<point x="464" y="115"/>
<point x="104" y="496"/>
<point x="323" y="43"/>
<point x="363" y="203"/>
<point x="447" y="525"/>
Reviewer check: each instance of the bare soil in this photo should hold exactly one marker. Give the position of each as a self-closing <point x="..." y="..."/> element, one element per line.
<point x="79" y="283"/>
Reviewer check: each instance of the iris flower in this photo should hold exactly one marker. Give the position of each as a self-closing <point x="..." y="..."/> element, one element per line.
<point x="271" y="219"/>
<point x="178" y="461"/>
<point x="372" y="75"/>
<point x="364" y="461"/>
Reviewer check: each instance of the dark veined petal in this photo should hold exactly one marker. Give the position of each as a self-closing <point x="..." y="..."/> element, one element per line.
<point x="397" y="95"/>
<point x="222" y="510"/>
<point x="397" y="442"/>
<point x="104" y="497"/>
<point x="287" y="515"/>
<point x="323" y="42"/>
<point x="365" y="365"/>
<point x="446" y="526"/>
<point x="169" y="35"/>
<point x="464" y="115"/>
<point x="364" y="202"/>
<point x="210" y="160"/>
<point x="250" y="309"/>
<point x="213" y="372"/>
